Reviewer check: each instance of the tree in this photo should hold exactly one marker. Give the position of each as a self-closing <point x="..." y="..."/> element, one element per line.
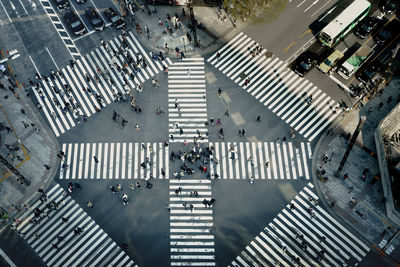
<point x="245" y="9"/>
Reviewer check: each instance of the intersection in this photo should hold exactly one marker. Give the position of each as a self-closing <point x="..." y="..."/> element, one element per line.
<point x="199" y="193"/>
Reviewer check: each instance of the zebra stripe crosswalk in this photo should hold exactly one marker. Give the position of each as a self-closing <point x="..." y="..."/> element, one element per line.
<point x="260" y="160"/>
<point x="57" y="244"/>
<point x="81" y="91"/>
<point x="191" y="223"/>
<point x="114" y="161"/>
<point x="187" y="107"/>
<point x="304" y="233"/>
<point x="276" y="86"/>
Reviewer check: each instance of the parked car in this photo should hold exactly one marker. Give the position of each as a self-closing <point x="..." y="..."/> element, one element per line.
<point x="114" y="18"/>
<point x="304" y="63"/>
<point x="94" y="19"/>
<point x="329" y="64"/>
<point x="371" y="72"/>
<point x="367" y="26"/>
<point x="62" y="4"/>
<point x="383" y="36"/>
<point x="389" y="6"/>
<point x="74" y="23"/>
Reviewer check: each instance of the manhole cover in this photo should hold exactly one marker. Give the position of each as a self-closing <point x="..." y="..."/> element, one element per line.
<point x="268" y="54"/>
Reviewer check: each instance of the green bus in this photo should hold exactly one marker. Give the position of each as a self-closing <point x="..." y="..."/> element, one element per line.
<point x="344" y="22"/>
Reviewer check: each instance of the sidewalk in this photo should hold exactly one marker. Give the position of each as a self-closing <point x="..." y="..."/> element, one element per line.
<point x="34" y="149"/>
<point x="368" y="215"/>
<point x="212" y="34"/>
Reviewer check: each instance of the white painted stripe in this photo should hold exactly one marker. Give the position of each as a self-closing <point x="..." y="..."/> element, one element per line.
<point x="303" y="152"/>
<point x="261" y="160"/>
<point x="286" y="160"/>
<point x="123" y="163"/>
<point x="136" y="159"/>
<point x="272" y="163"/>
<point x="87" y="162"/>
<point x="292" y="160"/>
<point x="104" y="173"/>
<point x="81" y="153"/>
<point x="117" y="163"/>
<point x="129" y="160"/>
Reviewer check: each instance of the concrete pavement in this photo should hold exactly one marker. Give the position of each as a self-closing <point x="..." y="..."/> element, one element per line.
<point x="36" y="146"/>
<point x="367" y="215"/>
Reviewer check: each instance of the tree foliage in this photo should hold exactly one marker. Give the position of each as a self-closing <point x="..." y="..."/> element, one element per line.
<point x="244" y="9"/>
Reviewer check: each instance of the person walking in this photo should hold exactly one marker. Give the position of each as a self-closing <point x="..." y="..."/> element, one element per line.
<point x="95" y="159"/>
<point x="258" y="119"/>
<point x="219" y="91"/>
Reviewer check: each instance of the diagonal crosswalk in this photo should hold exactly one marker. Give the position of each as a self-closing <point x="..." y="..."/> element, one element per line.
<point x="260" y="160"/>
<point x="56" y="242"/>
<point x="79" y="91"/>
<point x="303" y="234"/>
<point x="187" y="101"/>
<point x="276" y="86"/>
<point x="115" y="161"/>
<point x="191" y="223"/>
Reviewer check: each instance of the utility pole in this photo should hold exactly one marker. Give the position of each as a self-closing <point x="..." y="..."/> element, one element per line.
<point x="193" y="22"/>
<point x="351" y="144"/>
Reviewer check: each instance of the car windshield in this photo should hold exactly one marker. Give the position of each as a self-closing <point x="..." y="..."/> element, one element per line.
<point x="75" y="24"/>
<point x="96" y="21"/>
<point x="328" y="62"/>
<point x="366" y="28"/>
<point x="115" y="18"/>
<point x="305" y="65"/>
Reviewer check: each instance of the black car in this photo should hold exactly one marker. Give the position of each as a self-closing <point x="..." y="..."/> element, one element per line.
<point x="389" y="6"/>
<point x="371" y="72"/>
<point x="94" y="18"/>
<point x="74" y="23"/>
<point x="304" y="63"/>
<point x="367" y="26"/>
<point x="62" y="4"/>
<point x="383" y="36"/>
<point x="114" y="18"/>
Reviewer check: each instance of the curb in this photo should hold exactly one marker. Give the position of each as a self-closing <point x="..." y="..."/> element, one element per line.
<point x="321" y="195"/>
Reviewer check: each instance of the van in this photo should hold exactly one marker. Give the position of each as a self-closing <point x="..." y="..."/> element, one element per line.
<point x="329" y="64"/>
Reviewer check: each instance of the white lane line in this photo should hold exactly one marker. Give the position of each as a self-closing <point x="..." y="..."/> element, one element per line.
<point x="52" y="58"/>
<point x="87" y="162"/>
<point x="7" y="259"/>
<point x="6" y="12"/>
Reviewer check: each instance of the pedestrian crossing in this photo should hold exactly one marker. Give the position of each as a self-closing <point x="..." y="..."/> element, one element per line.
<point x="56" y="242"/>
<point x="191" y="223"/>
<point x="94" y="81"/>
<point x="303" y="234"/>
<point x="114" y="161"/>
<point x="260" y="160"/>
<point x="187" y="104"/>
<point x="276" y="86"/>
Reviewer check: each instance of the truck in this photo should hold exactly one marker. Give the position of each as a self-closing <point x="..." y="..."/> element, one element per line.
<point x="351" y="65"/>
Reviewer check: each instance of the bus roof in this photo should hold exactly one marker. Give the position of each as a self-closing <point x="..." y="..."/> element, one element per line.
<point x="346" y="17"/>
